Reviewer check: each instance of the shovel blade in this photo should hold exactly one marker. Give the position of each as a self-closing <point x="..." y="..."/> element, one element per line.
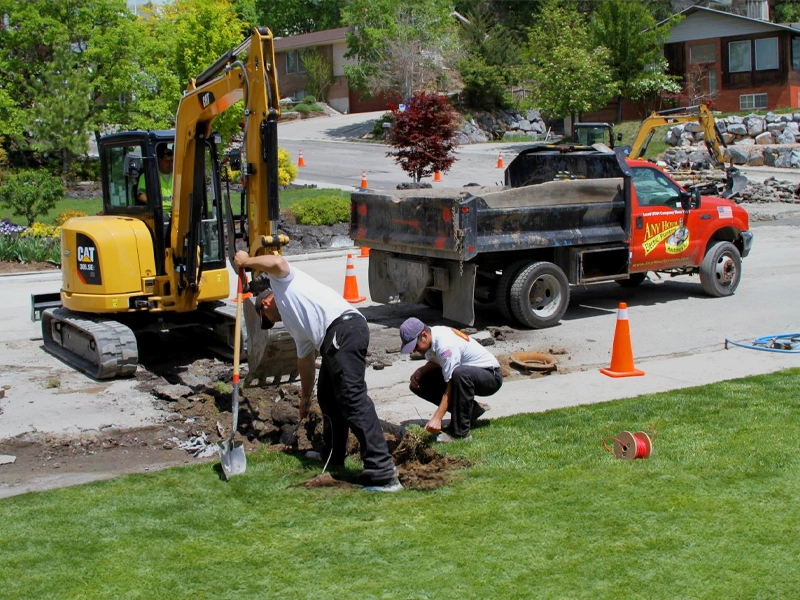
<point x="232" y="458"/>
<point x="271" y="353"/>
<point x="735" y="183"/>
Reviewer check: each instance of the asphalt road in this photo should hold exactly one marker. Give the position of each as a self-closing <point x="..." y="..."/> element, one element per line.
<point x="677" y="333"/>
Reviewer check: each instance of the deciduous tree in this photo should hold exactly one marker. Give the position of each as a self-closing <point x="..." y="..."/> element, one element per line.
<point x="567" y="74"/>
<point x="401" y="46"/>
<point x="635" y="42"/>
<point x="423" y="135"/>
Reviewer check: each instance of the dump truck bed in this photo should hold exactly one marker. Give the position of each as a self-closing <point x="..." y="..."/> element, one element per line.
<point x="550" y="200"/>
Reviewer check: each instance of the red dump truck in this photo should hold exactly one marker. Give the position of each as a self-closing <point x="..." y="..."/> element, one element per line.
<point x="568" y="215"/>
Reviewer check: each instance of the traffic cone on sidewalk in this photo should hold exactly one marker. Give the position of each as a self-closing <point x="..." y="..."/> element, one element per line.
<point x="621" y="352"/>
<point x="437" y="176"/>
<point x="500" y="161"/>
<point x="300" y="161"/>
<point x="364" y="180"/>
<point x="364" y="252"/>
<point x="351" y="283"/>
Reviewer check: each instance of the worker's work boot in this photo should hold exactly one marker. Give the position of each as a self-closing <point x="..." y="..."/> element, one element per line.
<point x="393" y="485"/>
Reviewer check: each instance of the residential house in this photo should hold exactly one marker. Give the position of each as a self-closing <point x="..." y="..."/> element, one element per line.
<point x="744" y="61"/>
<point x="292" y="75"/>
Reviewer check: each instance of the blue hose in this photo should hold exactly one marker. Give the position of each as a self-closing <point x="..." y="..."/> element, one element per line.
<point x="783" y="342"/>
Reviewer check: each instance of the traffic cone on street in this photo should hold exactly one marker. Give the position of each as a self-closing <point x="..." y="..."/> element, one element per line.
<point x="364" y="180"/>
<point x="621" y="352"/>
<point x="364" y="252"/>
<point x="300" y="161"/>
<point x="437" y="176"/>
<point x="351" y="283"/>
<point x="500" y="161"/>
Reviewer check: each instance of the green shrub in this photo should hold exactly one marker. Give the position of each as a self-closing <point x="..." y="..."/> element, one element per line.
<point x="306" y="108"/>
<point x="309" y="100"/>
<point x="84" y="169"/>
<point x="323" y="210"/>
<point x="484" y="86"/>
<point x="31" y="193"/>
<point x="377" y="128"/>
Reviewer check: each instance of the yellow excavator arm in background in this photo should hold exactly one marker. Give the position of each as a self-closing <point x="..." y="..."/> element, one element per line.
<point x="244" y="73"/>
<point x="689" y="114"/>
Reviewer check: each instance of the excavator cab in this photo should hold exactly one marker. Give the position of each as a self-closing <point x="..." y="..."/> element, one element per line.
<point x="135" y="184"/>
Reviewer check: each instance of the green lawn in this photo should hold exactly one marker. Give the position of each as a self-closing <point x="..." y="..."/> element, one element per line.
<point x="95" y="205"/>
<point x="544" y="512"/>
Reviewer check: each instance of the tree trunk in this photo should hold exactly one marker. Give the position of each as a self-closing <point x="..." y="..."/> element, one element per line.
<point x="619" y="110"/>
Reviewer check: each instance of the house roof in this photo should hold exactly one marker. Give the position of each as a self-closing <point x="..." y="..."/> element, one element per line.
<point x="316" y="38"/>
<point x="705" y="20"/>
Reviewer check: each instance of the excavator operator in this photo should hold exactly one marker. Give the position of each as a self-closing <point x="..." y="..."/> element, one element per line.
<point x="164" y="155"/>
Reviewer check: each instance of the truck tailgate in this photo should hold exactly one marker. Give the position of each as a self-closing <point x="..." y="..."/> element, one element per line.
<point x="430" y="223"/>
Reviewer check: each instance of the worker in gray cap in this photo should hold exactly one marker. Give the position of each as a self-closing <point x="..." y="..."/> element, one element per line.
<point x="319" y="319"/>
<point x="458" y="369"/>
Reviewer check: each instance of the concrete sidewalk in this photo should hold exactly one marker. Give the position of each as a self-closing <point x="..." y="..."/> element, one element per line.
<point x="538" y="394"/>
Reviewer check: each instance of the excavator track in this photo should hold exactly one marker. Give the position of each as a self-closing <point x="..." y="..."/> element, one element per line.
<point x="101" y="348"/>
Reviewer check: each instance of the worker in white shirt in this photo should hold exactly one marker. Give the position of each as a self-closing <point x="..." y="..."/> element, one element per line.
<point x="458" y="369"/>
<point x="319" y="319"/>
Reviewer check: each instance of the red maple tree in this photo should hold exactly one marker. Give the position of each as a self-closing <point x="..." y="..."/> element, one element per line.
<point x="424" y="135"/>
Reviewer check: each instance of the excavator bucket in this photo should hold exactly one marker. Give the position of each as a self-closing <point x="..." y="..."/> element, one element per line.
<point x="735" y="182"/>
<point x="271" y="353"/>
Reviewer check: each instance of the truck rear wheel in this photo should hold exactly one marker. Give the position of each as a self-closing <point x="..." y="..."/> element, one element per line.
<point x="721" y="270"/>
<point x="539" y="295"/>
<point x="503" y="290"/>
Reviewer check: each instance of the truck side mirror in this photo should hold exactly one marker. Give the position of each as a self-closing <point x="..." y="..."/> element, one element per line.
<point x="690" y="200"/>
<point x="132" y="167"/>
<point x="619" y="137"/>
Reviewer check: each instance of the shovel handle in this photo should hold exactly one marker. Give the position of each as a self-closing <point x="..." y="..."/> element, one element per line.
<point x="237" y="334"/>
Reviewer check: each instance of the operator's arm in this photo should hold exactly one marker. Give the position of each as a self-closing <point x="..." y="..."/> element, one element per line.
<point x="307" y="370"/>
<point x="271" y="264"/>
<point x="435" y="422"/>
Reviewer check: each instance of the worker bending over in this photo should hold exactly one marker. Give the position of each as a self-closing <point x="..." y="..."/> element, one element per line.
<point x="319" y="319"/>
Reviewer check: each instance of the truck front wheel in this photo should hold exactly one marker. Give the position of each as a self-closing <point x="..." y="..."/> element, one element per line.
<point x="539" y="295"/>
<point x="721" y="270"/>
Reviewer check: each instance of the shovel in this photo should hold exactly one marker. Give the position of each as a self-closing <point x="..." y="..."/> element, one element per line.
<point x="231" y="456"/>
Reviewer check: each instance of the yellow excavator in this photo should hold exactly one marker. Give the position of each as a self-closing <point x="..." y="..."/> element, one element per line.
<point x="151" y="262"/>
<point x="699" y="113"/>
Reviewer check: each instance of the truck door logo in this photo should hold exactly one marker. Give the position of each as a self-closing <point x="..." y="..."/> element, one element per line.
<point x="206" y="99"/>
<point x="88" y="260"/>
<point x="673" y="233"/>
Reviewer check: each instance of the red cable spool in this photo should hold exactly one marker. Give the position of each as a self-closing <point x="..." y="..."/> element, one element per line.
<point x="630" y="446"/>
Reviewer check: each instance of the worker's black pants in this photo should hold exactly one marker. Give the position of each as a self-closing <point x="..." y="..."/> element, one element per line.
<point x="468" y="382"/>
<point x="345" y="404"/>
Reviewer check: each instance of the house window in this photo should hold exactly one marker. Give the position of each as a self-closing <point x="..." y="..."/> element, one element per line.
<point x="796" y="54"/>
<point x="294" y="63"/>
<point x="703" y="53"/>
<point x="712" y="81"/>
<point x="766" y="54"/>
<point x="752" y="101"/>
<point x="739" y="56"/>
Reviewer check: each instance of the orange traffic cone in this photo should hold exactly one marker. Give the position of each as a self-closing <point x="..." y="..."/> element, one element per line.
<point x="364" y="180"/>
<point x="364" y="252"/>
<point x="300" y="161"/>
<point x="621" y="353"/>
<point x="500" y="161"/>
<point x="437" y="176"/>
<point x="351" y="283"/>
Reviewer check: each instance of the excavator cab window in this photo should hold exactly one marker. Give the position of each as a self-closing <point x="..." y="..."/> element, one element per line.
<point x="125" y="168"/>
<point x="211" y="217"/>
